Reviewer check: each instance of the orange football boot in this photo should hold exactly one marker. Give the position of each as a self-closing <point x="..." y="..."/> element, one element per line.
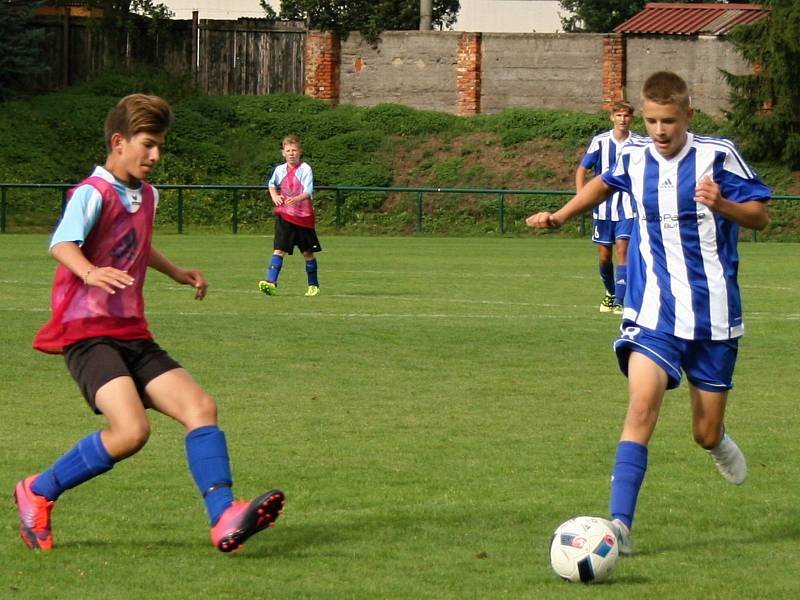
<point x="34" y="516"/>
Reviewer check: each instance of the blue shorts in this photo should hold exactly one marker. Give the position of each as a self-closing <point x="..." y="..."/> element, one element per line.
<point x="605" y="232"/>
<point x="708" y="364"/>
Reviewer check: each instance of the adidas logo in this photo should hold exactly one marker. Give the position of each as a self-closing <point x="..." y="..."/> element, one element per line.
<point x="666" y="184"/>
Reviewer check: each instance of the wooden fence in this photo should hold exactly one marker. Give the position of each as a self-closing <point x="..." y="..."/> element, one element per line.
<point x="246" y="56"/>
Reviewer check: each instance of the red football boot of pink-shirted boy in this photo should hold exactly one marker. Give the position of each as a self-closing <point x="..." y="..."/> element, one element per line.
<point x="243" y="519"/>
<point x="34" y="516"/>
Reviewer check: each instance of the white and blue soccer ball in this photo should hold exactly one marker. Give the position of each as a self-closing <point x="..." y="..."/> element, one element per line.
<point x="584" y="549"/>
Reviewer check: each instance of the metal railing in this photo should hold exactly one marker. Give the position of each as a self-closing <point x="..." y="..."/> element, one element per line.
<point x="340" y="192"/>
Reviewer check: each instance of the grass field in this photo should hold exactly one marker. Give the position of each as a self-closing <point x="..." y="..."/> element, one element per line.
<point x="432" y="417"/>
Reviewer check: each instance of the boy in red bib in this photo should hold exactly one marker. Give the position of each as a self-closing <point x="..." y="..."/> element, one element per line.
<point x="103" y="245"/>
<point x="290" y="188"/>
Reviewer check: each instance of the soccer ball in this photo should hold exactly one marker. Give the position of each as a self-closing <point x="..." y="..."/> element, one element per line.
<point x="584" y="549"/>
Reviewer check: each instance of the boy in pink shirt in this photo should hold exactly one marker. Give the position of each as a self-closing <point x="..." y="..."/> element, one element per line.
<point x="103" y="245"/>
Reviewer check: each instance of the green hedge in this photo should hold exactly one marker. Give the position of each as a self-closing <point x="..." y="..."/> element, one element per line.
<point x="56" y="138"/>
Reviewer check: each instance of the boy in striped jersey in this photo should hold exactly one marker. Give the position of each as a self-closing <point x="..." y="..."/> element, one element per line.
<point x="612" y="220"/>
<point x="682" y="310"/>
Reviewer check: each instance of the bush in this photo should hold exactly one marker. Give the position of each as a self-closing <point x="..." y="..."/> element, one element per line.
<point x="55" y="138"/>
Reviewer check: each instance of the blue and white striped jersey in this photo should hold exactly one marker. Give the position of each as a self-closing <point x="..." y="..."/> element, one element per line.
<point x="682" y="257"/>
<point x="601" y="155"/>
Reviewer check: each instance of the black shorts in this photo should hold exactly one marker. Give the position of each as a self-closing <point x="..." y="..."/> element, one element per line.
<point x="94" y="362"/>
<point x="288" y="235"/>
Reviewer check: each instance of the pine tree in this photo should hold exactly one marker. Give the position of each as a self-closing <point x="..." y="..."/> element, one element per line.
<point x="20" y="46"/>
<point x="765" y="113"/>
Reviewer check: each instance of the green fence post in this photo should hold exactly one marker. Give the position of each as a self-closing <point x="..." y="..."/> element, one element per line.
<point x="180" y="210"/>
<point x="583" y="224"/>
<point x="338" y="209"/>
<point x="502" y="210"/>
<point x="236" y="210"/>
<point x="3" y="211"/>
<point x="419" y="212"/>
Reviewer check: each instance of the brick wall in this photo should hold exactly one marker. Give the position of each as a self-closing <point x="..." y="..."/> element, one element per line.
<point x="468" y="74"/>
<point x="613" y="69"/>
<point x="322" y="58"/>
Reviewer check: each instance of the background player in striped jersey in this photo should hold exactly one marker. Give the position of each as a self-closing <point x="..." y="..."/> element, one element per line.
<point x="612" y="220"/>
<point x="683" y="310"/>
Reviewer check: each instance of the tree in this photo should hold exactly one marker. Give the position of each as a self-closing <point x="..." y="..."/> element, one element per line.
<point x="20" y="46"/>
<point x="125" y="13"/>
<point x="369" y="17"/>
<point x="765" y="114"/>
<point x="599" y="16"/>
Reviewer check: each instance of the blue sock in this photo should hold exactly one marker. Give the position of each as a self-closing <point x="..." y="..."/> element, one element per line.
<point x="311" y="271"/>
<point x="629" y="469"/>
<point x="275" y="264"/>
<point x="207" y="454"/>
<point x="607" y="275"/>
<point x="87" y="459"/>
<point x="621" y="284"/>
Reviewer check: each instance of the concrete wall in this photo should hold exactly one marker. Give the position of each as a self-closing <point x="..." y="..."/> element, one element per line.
<point x="527" y="70"/>
<point x="416" y="68"/>
<point x="698" y="61"/>
<point x="541" y="70"/>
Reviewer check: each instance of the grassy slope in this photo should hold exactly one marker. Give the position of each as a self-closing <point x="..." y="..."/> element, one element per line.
<point x="56" y="137"/>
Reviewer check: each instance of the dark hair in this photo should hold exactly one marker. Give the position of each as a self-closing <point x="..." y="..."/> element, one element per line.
<point x="665" y="87"/>
<point x="137" y="113"/>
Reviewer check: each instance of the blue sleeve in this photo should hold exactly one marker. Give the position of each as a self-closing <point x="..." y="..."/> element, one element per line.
<point x="592" y="155"/>
<point x="617" y="176"/>
<point x="80" y="216"/>
<point x="737" y="182"/>
<point x="275" y="178"/>
<point x="306" y="177"/>
<point x="590" y="159"/>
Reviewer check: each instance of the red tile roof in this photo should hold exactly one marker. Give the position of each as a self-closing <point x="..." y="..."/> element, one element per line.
<point x="691" y="19"/>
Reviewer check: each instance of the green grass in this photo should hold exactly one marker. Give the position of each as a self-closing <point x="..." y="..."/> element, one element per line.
<point x="432" y="417"/>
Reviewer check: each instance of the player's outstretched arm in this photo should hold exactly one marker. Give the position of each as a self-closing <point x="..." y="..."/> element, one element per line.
<point x="191" y="277"/>
<point x="109" y="279"/>
<point x="592" y="194"/>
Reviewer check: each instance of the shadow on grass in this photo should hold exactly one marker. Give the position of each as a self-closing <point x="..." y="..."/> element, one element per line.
<point x="779" y="531"/>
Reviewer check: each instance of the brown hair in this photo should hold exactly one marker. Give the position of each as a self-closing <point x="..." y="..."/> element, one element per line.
<point x="138" y="113"/>
<point x="665" y="87"/>
<point x="293" y="140"/>
<point x="622" y="105"/>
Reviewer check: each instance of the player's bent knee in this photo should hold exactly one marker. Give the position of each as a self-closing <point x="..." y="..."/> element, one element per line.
<point x="128" y="440"/>
<point x="203" y="411"/>
<point x="641" y="416"/>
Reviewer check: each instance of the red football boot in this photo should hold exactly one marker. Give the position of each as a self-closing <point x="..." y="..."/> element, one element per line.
<point x="243" y="519"/>
<point x="34" y="516"/>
